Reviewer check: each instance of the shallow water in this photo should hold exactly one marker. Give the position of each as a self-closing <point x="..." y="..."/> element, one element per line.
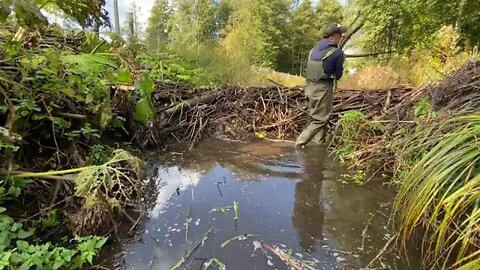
<point x="289" y="199"/>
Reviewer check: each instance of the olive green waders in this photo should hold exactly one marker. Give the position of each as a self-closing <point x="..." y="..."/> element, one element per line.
<point x="319" y="93"/>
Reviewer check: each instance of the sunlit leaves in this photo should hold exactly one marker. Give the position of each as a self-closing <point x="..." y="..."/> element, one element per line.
<point x="87" y="13"/>
<point x="410" y="23"/>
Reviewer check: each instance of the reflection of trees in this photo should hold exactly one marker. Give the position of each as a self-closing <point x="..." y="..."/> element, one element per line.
<point x="246" y="162"/>
<point x="308" y="212"/>
<point x="350" y="210"/>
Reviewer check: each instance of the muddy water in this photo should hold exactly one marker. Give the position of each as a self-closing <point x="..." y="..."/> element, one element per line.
<point x="291" y="201"/>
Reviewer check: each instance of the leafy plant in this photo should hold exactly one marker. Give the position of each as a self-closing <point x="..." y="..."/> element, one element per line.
<point x="440" y="193"/>
<point x="50" y="220"/>
<point x="143" y="92"/>
<point x="424" y="110"/>
<point x="86" y="132"/>
<point x="112" y="180"/>
<point x="350" y="123"/>
<point x="18" y="253"/>
<point x="358" y="177"/>
<point x="99" y="154"/>
<point x="8" y="146"/>
<point x="10" y="188"/>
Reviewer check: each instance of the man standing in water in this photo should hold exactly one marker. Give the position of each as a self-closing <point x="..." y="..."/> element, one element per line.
<point x="324" y="67"/>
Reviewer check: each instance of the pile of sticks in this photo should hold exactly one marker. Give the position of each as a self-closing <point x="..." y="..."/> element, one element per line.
<point x="188" y="114"/>
<point x="459" y="91"/>
<point x="185" y="113"/>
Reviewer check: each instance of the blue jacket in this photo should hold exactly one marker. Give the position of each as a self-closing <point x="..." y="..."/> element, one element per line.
<point x="333" y="65"/>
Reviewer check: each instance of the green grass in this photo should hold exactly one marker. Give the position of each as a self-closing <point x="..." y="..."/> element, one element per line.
<point x="441" y="194"/>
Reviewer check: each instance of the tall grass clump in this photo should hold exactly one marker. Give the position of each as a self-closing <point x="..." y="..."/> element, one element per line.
<point x="441" y="195"/>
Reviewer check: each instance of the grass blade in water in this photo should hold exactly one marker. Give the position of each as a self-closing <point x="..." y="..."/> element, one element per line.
<point x="235" y="209"/>
<point x="215" y="261"/>
<point x="199" y="243"/>
<point x="242" y="237"/>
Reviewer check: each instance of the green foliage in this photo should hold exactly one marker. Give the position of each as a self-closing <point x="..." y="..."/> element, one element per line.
<point x="99" y="154"/>
<point x="49" y="83"/>
<point x="305" y="33"/>
<point x="87" y="13"/>
<point x="351" y="122"/>
<point x="18" y="252"/>
<point x="406" y="24"/>
<point x="202" y="66"/>
<point x="87" y="248"/>
<point x="132" y="28"/>
<point x="358" y="177"/>
<point x="86" y="133"/>
<point x="169" y="67"/>
<point x="353" y="132"/>
<point x="235" y="210"/>
<point x="8" y="146"/>
<point x="440" y="193"/>
<point x="157" y="29"/>
<point x="424" y="110"/>
<point x="263" y="24"/>
<point x="329" y="11"/>
<point x="143" y="91"/>
<point x="271" y="33"/>
<point x="10" y="188"/>
<point x="51" y="220"/>
<point x="193" y="21"/>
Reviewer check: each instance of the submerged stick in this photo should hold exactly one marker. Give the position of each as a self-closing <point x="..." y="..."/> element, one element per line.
<point x="383" y="250"/>
<point x="364" y="232"/>
<point x="284" y="257"/>
<point x="189" y="254"/>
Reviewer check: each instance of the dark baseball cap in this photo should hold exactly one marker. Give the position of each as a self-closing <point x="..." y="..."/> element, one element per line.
<point x="334" y="28"/>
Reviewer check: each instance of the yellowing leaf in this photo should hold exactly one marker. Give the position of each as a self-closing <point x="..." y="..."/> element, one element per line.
<point x="261" y="134"/>
<point x="89" y="98"/>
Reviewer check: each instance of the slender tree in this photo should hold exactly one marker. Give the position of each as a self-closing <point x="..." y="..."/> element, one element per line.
<point x="157" y="29"/>
<point x="405" y="24"/>
<point x="257" y="30"/>
<point x="304" y="35"/>
<point x="193" y="21"/>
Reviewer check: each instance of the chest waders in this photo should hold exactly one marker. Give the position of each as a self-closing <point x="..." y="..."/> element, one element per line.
<point x="319" y="92"/>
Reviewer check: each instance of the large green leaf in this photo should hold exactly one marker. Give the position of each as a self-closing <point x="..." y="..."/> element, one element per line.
<point x="123" y="76"/>
<point x="146" y="84"/>
<point x="143" y="110"/>
<point x="90" y="63"/>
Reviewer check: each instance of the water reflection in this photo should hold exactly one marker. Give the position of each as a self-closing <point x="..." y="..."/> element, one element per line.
<point x="178" y="181"/>
<point x="308" y="212"/>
